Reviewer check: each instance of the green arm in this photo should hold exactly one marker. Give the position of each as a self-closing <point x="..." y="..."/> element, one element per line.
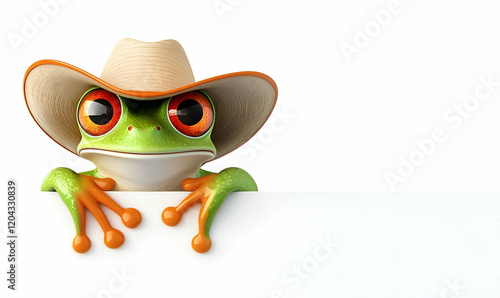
<point x="67" y="183"/>
<point x="232" y="179"/>
<point x="226" y="181"/>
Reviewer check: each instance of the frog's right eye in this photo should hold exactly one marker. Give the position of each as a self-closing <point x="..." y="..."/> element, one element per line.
<point x="99" y="111"/>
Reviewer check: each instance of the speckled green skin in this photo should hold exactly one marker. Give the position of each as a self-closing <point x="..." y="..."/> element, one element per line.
<point x="144" y="117"/>
<point x="67" y="184"/>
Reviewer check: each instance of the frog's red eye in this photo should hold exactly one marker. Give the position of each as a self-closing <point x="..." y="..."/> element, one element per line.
<point x="99" y="111"/>
<point x="191" y="113"/>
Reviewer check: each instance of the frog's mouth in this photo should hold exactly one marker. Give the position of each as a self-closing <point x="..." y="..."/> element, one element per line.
<point x="147" y="171"/>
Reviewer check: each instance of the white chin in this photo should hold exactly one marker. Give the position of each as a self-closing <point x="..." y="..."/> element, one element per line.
<point x="133" y="171"/>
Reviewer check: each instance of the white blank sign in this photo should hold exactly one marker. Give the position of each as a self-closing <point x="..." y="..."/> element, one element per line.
<point x="272" y="244"/>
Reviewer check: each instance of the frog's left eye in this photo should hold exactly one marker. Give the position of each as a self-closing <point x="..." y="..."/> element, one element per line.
<point x="99" y="111"/>
<point x="191" y="113"/>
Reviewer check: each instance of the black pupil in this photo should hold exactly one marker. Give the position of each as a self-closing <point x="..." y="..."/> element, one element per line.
<point x="189" y="112"/>
<point x="100" y="111"/>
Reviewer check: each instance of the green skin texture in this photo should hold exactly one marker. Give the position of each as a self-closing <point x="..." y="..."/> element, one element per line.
<point x="145" y="138"/>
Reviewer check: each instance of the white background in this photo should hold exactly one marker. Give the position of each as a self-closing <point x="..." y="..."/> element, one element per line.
<point x="351" y="121"/>
<point x="341" y="123"/>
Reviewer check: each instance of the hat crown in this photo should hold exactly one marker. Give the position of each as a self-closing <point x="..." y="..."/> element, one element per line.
<point x="148" y="66"/>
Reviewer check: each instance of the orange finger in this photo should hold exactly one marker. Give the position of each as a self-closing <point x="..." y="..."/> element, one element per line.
<point x="81" y="243"/>
<point x="201" y="243"/>
<point x="172" y="215"/>
<point x="131" y="218"/>
<point x="103" y="183"/>
<point x="103" y="198"/>
<point x="112" y="237"/>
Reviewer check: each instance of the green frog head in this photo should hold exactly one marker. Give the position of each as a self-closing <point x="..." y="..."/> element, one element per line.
<point x="152" y="143"/>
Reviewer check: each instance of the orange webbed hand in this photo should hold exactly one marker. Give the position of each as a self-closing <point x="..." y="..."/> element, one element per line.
<point x="202" y="192"/>
<point x="90" y="195"/>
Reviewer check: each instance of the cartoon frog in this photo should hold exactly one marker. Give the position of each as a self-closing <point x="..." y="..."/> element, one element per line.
<point x="147" y="125"/>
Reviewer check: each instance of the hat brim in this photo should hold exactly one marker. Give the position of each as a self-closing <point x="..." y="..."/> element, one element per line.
<point x="243" y="101"/>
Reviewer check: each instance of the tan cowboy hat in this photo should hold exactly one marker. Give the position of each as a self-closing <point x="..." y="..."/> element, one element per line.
<point x="145" y="71"/>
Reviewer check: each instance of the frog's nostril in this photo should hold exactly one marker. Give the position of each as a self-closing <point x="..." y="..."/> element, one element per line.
<point x="159" y="128"/>
<point x="129" y="127"/>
